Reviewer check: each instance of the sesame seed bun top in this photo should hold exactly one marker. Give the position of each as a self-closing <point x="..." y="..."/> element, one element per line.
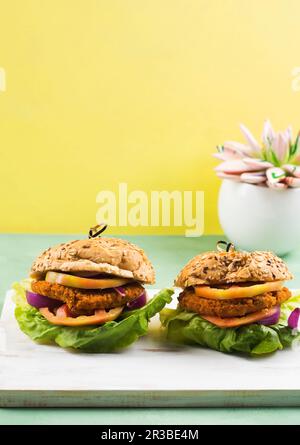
<point x="232" y="267"/>
<point x="111" y="256"/>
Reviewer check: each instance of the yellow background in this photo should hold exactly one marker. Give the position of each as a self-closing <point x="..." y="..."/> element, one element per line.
<point x="137" y="91"/>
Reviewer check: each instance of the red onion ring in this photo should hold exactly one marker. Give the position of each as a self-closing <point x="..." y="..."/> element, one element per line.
<point x="294" y="318"/>
<point x="120" y="290"/>
<point x="38" y="301"/>
<point x="272" y="318"/>
<point x="138" y="302"/>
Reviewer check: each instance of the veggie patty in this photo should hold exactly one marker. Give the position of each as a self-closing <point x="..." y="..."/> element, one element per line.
<point x="85" y="301"/>
<point x="231" y="308"/>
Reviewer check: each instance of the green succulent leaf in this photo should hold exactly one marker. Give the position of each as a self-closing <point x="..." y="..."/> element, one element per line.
<point x="294" y="149"/>
<point x="274" y="158"/>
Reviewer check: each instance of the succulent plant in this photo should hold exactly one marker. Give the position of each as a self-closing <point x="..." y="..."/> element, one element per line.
<point x="274" y="163"/>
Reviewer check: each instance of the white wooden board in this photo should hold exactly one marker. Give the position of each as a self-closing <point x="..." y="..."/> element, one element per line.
<point x="148" y="374"/>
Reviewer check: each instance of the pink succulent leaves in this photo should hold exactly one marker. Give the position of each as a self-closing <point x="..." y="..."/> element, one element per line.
<point x="274" y="163"/>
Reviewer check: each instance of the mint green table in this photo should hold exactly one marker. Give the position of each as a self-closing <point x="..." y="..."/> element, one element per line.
<point x="168" y="255"/>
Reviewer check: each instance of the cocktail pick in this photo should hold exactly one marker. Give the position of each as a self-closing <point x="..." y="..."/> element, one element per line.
<point x="224" y="246"/>
<point x="96" y="231"/>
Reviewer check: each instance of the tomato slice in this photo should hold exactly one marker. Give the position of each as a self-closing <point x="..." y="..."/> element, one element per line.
<point x="84" y="283"/>
<point x="239" y="321"/>
<point x="236" y="291"/>
<point x="62" y="318"/>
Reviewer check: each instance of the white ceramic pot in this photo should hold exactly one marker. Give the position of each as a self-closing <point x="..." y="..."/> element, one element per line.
<point x="260" y="218"/>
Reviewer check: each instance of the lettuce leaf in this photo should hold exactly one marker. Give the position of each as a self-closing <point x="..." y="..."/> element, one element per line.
<point x="109" y="337"/>
<point x="254" y="339"/>
<point x="288" y="306"/>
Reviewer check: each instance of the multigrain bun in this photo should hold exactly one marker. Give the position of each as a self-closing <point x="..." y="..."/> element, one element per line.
<point x="232" y="267"/>
<point x="100" y="255"/>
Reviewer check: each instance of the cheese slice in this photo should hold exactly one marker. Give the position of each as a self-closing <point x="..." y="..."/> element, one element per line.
<point x="236" y="291"/>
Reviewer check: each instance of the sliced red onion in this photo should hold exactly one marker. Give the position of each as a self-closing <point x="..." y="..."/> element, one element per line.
<point x="272" y="318"/>
<point x="120" y="291"/>
<point x="39" y="301"/>
<point x="294" y="318"/>
<point x="138" y="302"/>
<point x="64" y="311"/>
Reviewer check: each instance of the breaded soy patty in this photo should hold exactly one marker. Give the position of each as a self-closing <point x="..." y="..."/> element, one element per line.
<point x="231" y="308"/>
<point x="83" y="301"/>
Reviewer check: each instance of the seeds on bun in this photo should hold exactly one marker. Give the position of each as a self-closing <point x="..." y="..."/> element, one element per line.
<point x="228" y="284"/>
<point x="91" y="275"/>
<point x="232" y="267"/>
<point x="89" y="295"/>
<point x="112" y="256"/>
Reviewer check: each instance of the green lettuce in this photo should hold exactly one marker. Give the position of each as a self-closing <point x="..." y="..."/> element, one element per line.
<point x="288" y="306"/>
<point x="254" y="339"/>
<point x="109" y="337"/>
